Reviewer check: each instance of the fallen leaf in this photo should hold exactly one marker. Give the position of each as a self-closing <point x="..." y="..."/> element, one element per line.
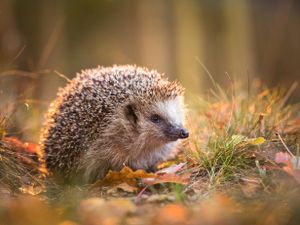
<point x="256" y="141"/>
<point x="168" y="178"/>
<point x="30" y="147"/>
<point x="168" y="175"/>
<point x="25" y="147"/>
<point x="171" y="169"/>
<point x="126" y="175"/>
<point x="128" y="180"/>
<point x="122" y="186"/>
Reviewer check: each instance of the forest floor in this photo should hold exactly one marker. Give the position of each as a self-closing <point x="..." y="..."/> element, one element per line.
<point x="240" y="165"/>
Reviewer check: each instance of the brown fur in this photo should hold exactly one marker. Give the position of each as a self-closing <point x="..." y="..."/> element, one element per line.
<point x="99" y="121"/>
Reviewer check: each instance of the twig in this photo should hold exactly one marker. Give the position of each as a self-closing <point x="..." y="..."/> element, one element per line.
<point x="288" y="94"/>
<point x="141" y="192"/>
<point x="285" y="146"/>
<point x="18" y="54"/>
<point x="208" y="73"/>
<point x="21" y="73"/>
<point x="32" y="75"/>
<point x="54" y="36"/>
<point x="62" y="75"/>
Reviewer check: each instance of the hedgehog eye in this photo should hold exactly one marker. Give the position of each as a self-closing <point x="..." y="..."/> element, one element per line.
<point x="156" y="118"/>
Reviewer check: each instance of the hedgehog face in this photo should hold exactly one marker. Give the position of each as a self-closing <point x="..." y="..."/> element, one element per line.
<point x="160" y="122"/>
<point x="167" y="118"/>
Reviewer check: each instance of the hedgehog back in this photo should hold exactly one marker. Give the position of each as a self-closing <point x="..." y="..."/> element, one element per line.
<point x="84" y="108"/>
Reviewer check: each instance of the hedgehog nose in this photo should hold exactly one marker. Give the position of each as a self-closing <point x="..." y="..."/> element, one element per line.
<point x="184" y="133"/>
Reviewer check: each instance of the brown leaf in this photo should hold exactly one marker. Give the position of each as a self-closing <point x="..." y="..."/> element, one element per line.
<point x="168" y="178"/>
<point x="122" y="186"/>
<point x="171" y="169"/>
<point x="126" y="175"/>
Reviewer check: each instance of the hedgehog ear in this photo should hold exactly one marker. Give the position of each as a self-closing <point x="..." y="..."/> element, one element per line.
<point x="130" y="113"/>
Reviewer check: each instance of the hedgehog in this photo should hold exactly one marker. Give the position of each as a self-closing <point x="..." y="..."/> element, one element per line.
<point x="109" y="117"/>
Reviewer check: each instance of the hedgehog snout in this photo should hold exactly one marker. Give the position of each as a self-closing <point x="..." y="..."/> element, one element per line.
<point x="175" y="132"/>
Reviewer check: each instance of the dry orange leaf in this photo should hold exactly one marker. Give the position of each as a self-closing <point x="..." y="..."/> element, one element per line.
<point x="126" y="175"/>
<point x="122" y="186"/>
<point x="168" y="175"/>
<point x="23" y="146"/>
<point x="127" y="179"/>
<point x="168" y="178"/>
<point x="30" y="147"/>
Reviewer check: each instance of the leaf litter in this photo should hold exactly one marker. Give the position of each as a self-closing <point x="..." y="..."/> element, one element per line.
<point x="230" y="173"/>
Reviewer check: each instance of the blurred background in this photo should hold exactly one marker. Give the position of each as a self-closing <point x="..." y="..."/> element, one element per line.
<point x="42" y="41"/>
